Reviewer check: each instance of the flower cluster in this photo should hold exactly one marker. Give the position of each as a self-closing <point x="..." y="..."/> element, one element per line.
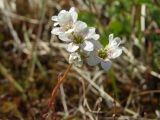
<point x="82" y="41"/>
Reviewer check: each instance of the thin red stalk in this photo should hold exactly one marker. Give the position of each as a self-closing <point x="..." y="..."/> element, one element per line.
<point x="61" y="79"/>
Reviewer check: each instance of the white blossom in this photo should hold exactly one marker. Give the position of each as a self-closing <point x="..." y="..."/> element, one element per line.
<point x="75" y="33"/>
<point x="103" y="55"/>
<point x="81" y="38"/>
<point x="65" y="20"/>
<point x="98" y="57"/>
<point x="75" y="59"/>
<point x="113" y="49"/>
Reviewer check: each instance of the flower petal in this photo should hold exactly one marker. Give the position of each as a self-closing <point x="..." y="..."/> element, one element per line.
<point x="114" y="53"/>
<point x="114" y="42"/>
<point x="62" y="11"/>
<point x="88" y="46"/>
<point x="97" y="44"/>
<point x="54" y="18"/>
<point x="56" y="31"/>
<point x="71" y="47"/>
<point x="96" y="36"/>
<point x="80" y="28"/>
<point x="74" y="14"/>
<point x="79" y="25"/>
<point x="55" y="24"/>
<point x="64" y="37"/>
<point x="93" y="60"/>
<point x="92" y="35"/>
<point x="70" y="31"/>
<point x="106" y="64"/>
<point x="64" y="18"/>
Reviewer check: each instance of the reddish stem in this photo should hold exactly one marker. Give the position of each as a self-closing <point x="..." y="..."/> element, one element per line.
<point x="61" y="79"/>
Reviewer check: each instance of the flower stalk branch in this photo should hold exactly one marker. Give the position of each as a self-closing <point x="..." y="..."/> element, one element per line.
<point x="61" y="79"/>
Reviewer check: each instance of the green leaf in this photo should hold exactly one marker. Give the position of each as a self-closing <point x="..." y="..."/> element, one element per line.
<point x="87" y="17"/>
<point x="115" y="27"/>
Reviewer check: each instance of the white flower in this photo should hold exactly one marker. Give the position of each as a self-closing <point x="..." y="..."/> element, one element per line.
<point x="113" y="49"/>
<point x="81" y="37"/>
<point x="75" y="33"/>
<point x="99" y="57"/>
<point x="75" y="59"/>
<point x="103" y="55"/>
<point x="65" y="20"/>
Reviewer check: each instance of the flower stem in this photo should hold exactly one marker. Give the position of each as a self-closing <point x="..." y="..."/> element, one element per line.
<point x="106" y="47"/>
<point x="61" y="79"/>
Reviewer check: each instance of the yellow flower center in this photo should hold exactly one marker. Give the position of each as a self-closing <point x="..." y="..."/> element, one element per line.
<point x="78" y="39"/>
<point x="102" y="53"/>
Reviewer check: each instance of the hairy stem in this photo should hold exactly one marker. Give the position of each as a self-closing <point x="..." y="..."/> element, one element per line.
<point x="61" y="79"/>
